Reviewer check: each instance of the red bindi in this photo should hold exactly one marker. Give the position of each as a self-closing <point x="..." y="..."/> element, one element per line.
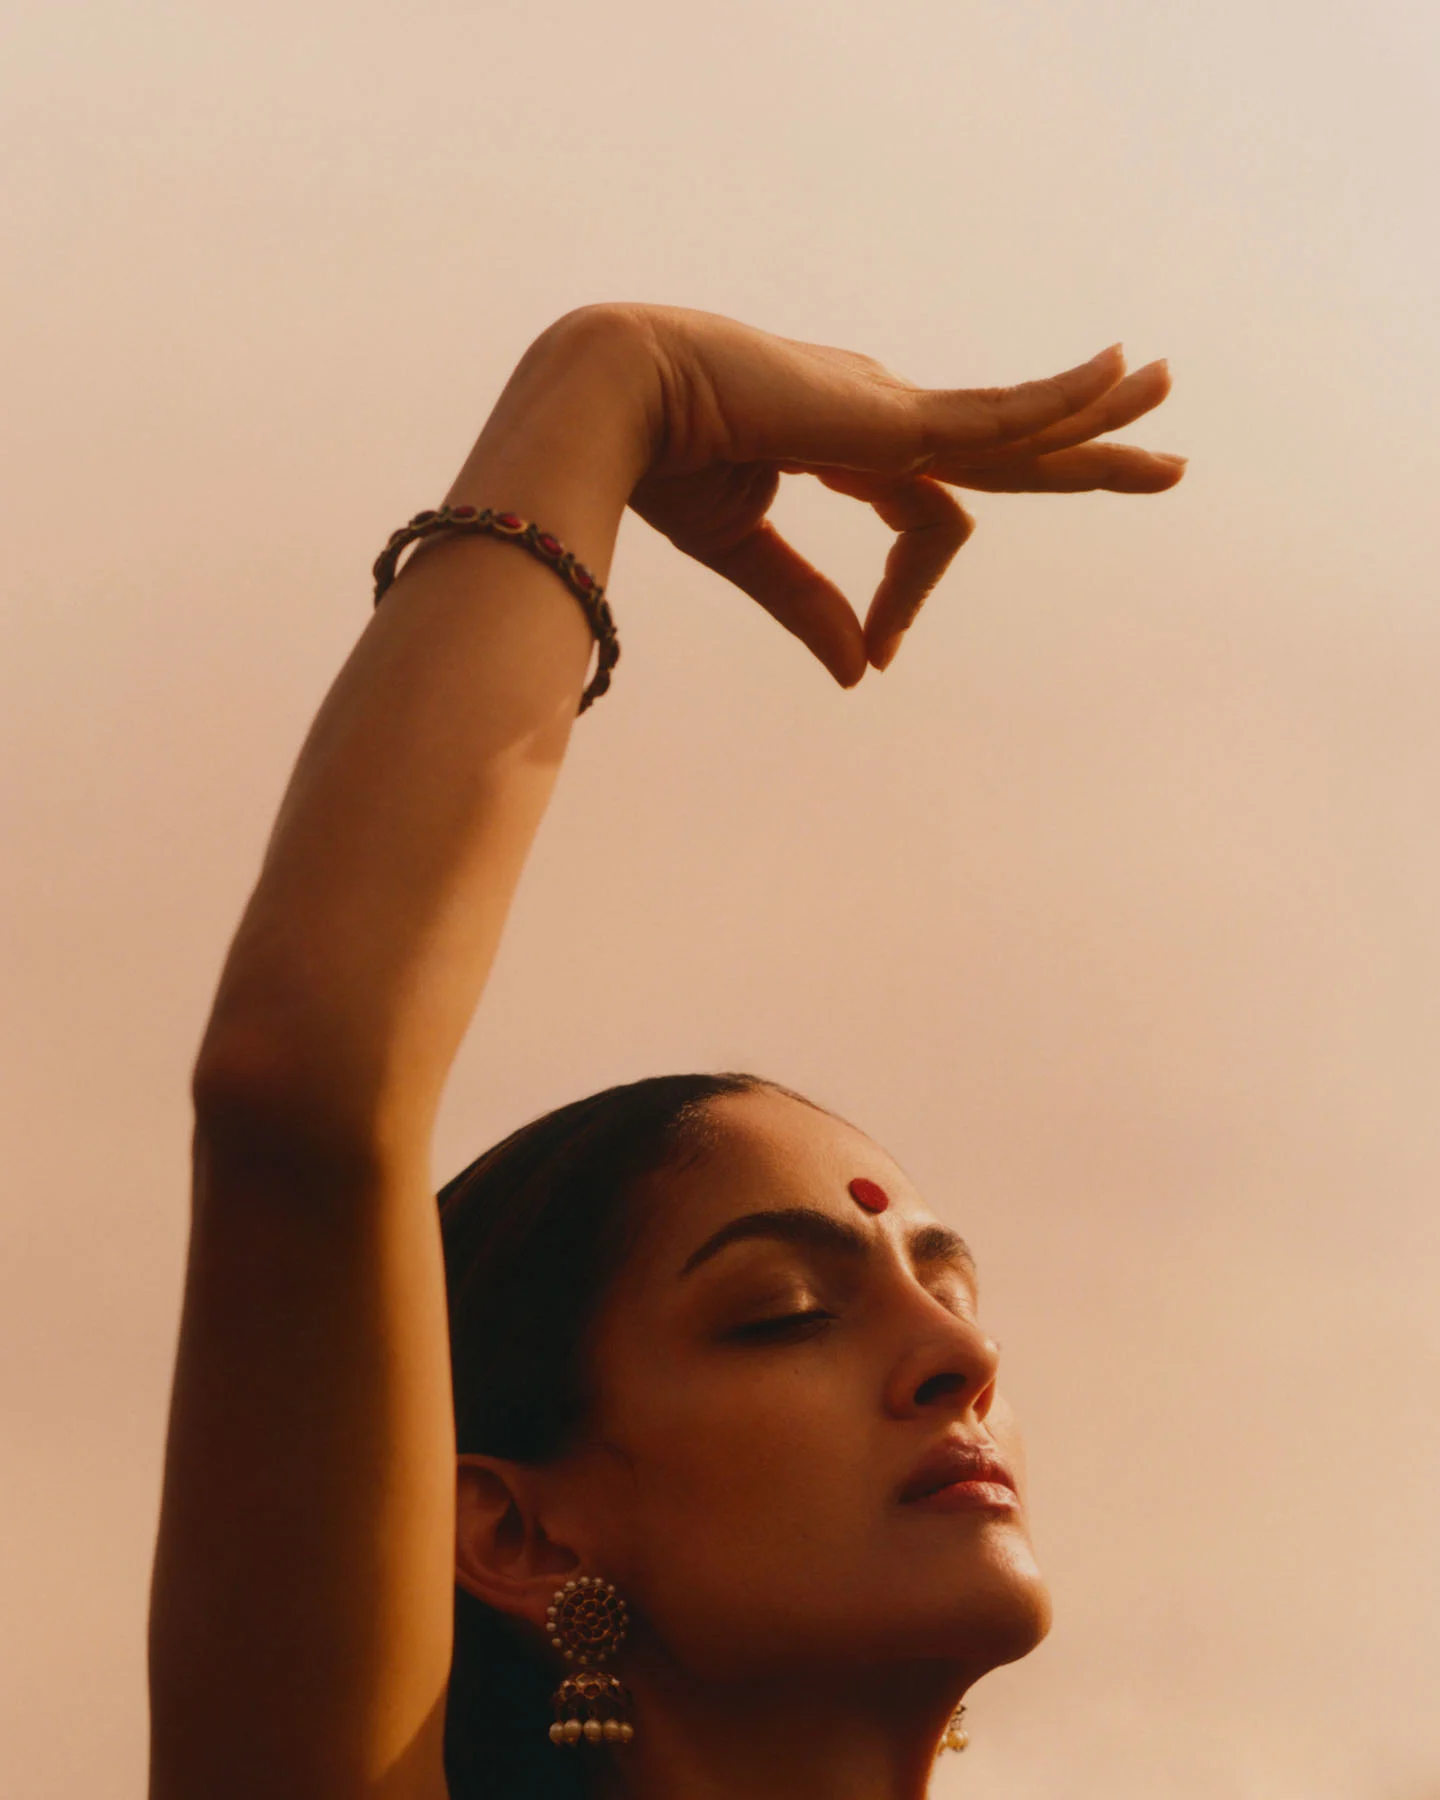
<point x="869" y="1194"/>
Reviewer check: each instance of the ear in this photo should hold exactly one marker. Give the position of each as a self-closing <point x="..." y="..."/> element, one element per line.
<point x="503" y="1554"/>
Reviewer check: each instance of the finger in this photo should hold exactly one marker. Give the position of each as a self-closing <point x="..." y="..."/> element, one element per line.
<point x="848" y="412"/>
<point x="1130" y="399"/>
<point x="932" y="525"/>
<point x="794" y="591"/>
<point x="1118" y="468"/>
<point x="963" y="419"/>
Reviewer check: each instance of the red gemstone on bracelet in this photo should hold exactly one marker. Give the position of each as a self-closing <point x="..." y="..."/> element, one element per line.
<point x="463" y="512"/>
<point x="509" y="521"/>
<point x="582" y="578"/>
<point x="548" y="544"/>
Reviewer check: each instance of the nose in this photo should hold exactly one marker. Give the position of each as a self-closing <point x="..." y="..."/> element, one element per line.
<point x="948" y="1368"/>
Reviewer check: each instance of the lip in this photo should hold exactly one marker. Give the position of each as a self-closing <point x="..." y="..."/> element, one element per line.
<point x="958" y="1472"/>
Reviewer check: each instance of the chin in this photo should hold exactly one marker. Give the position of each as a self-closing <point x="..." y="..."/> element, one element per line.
<point x="1003" y="1609"/>
<point x="1009" y="1624"/>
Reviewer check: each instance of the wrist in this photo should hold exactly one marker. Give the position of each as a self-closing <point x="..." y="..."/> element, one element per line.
<point x="571" y="433"/>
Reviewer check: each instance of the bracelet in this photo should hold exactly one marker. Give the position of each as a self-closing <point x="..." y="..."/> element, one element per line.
<point x="582" y="584"/>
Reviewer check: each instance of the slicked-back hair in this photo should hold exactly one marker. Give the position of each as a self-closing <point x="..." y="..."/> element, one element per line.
<point x="534" y="1232"/>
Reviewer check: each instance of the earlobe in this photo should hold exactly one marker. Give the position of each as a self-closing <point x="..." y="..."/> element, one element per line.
<point x="503" y="1555"/>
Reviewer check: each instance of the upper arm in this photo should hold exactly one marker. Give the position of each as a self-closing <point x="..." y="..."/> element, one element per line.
<point x="303" y="1599"/>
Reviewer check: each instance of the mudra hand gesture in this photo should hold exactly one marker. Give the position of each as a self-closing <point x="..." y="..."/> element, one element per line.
<point x="728" y="409"/>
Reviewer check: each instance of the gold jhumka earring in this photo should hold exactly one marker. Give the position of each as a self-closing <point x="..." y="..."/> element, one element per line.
<point x="587" y="1621"/>
<point x="956" y="1737"/>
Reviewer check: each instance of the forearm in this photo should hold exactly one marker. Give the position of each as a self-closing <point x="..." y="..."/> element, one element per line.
<point x="418" y="792"/>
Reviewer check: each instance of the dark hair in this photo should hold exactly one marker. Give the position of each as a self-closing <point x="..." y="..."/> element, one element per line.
<point x="534" y="1230"/>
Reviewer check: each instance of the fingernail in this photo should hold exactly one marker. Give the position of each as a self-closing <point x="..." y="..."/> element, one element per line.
<point x="1104" y="355"/>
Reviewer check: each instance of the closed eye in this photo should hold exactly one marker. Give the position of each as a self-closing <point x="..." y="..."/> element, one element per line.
<point x="783" y="1327"/>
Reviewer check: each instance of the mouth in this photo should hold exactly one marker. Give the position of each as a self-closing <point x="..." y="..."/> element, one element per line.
<point x="961" y="1471"/>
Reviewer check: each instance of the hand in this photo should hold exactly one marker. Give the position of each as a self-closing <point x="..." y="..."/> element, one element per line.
<point x="737" y="408"/>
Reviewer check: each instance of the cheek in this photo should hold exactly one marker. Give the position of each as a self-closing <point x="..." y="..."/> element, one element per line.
<point x="785" y="1436"/>
<point x="751" y="1503"/>
<point x="771" y="1466"/>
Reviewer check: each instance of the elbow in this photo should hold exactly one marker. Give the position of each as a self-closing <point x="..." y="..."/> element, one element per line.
<point x="240" y="1077"/>
<point x="263" y="1103"/>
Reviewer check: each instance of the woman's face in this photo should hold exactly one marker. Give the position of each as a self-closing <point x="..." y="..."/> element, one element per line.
<point x="780" y="1372"/>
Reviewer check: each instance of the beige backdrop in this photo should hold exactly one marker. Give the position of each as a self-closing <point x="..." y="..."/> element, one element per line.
<point x="1113" y="908"/>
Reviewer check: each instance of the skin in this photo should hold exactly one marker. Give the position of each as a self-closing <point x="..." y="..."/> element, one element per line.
<point x="301" y="1610"/>
<point x="780" y="1453"/>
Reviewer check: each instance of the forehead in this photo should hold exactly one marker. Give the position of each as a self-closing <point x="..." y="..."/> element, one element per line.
<point x="764" y="1150"/>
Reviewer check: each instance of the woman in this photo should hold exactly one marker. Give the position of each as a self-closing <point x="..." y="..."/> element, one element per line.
<point x="709" y="1347"/>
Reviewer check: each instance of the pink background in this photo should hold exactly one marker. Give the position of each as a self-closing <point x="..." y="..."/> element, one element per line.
<point x="1113" y="909"/>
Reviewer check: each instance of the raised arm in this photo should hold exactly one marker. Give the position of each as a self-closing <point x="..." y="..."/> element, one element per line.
<point x="300" y="1637"/>
<point x="303" y="1584"/>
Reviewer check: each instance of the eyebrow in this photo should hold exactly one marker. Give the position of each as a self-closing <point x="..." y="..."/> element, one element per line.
<point x="816" y="1230"/>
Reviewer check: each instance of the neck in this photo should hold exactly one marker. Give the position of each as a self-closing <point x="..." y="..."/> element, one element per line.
<point x="868" y="1735"/>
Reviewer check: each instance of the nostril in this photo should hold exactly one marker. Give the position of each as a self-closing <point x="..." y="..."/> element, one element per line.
<point x="937" y="1387"/>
